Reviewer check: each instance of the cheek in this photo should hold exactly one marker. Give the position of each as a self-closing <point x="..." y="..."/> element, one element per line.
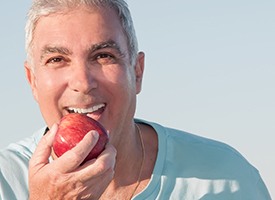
<point x="122" y="76"/>
<point x="49" y="89"/>
<point x="49" y="92"/>
<point x="121" y="85"/>
<point x="47" y="84"/>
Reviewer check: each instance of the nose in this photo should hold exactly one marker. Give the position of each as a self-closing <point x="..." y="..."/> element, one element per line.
<point x="82" y="79"/>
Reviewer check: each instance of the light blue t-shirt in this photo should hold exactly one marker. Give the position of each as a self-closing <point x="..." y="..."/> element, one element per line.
<point x="188" y="167"/>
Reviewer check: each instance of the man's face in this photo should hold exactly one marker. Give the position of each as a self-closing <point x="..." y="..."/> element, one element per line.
<point x="81" y="64"/>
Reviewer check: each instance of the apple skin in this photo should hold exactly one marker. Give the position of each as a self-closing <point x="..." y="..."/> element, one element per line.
<point x="71" y="130"/>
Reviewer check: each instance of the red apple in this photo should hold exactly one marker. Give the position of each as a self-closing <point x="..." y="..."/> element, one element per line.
<point x="71" y="130"/>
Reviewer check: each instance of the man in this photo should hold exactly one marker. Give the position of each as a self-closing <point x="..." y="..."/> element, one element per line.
<point x="83" y="57"/>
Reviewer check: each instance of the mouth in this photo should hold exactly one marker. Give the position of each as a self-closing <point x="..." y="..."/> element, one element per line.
<point x="92" y="111"/>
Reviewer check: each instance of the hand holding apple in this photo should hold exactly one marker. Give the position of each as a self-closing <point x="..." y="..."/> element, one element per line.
<point x="72" y="128"/>
<point x="65" y="179"/>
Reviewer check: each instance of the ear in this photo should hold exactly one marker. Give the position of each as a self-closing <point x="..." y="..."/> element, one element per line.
<point x="31" y="79"/>
<point x="139" y="69"/>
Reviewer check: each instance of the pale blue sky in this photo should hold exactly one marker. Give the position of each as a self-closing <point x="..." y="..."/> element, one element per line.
<point x="210" y="70"/>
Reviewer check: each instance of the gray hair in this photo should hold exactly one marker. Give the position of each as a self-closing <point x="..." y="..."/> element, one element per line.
<point x="42" y="8"/>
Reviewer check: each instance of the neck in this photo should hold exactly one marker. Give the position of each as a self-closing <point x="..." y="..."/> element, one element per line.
<point x="130" y="157"/>
<point x="134" y="164"/>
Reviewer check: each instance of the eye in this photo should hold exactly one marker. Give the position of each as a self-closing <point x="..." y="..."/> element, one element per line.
<point x="105" y="58"/>
<point x="55" y="60"/>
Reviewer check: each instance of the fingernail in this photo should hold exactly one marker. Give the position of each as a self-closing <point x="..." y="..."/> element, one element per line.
<point x="108" y="133"/>
<point x="95" y="134"/>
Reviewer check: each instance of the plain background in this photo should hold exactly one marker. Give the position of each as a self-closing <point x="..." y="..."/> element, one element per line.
<point x="210" y="70"/>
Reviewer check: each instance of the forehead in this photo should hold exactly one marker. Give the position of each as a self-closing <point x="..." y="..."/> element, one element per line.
<point x="79" y="28"/>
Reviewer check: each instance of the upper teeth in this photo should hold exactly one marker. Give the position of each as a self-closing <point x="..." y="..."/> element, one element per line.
<point x="86" y="110"/>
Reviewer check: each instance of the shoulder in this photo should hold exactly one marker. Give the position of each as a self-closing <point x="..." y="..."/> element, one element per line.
<point x="22" y="148"/>
<point x="193" y="155"/>
<point x="200" y="147"/>
<point x="201" y="166"/>
<point x="192" y="144"/>
<point x="14" y="161"/>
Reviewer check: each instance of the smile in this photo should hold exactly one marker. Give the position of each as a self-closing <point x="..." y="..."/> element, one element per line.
<point x="86" y="110"/>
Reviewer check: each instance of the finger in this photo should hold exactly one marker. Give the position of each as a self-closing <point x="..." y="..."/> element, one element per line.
<point x="42" y="152"/>
<point x="105" y="162"/>
<point x="71" y="159"/>
<point x="109" y="150"/>
<point x="108" y="155"/>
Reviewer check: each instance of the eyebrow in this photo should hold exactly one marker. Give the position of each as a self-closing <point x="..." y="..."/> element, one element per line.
<point x="104" y="45"/>
<point x="54" y="49"/>
<point x="65" y="51"/>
